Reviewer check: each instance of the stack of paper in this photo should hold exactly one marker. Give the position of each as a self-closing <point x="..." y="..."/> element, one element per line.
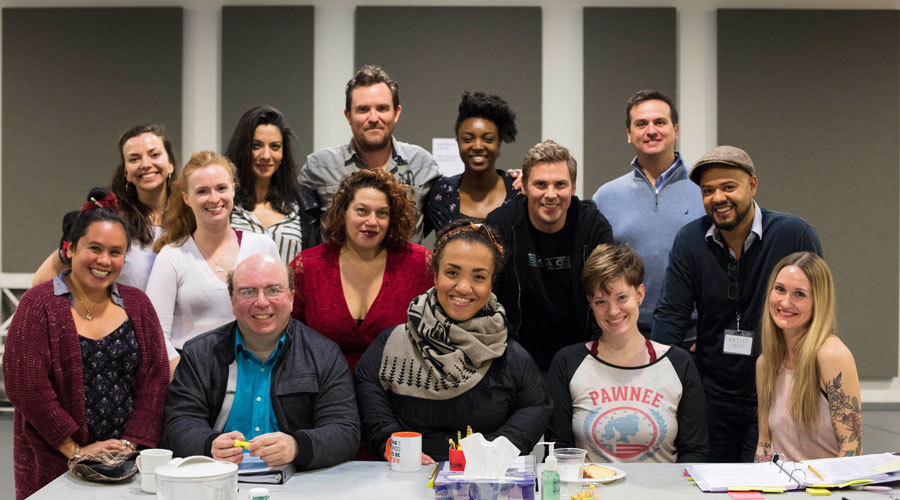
<point x="781" y="476"/>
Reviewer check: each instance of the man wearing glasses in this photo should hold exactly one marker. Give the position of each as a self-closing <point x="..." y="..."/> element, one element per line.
<point x="264" y="379"/>
<point x="721" y="263"/>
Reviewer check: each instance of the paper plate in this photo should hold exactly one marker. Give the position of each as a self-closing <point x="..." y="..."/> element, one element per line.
<point x="597" y="480"/>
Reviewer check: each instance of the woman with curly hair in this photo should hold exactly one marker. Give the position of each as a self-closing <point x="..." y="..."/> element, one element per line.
<point x="362" y="279"/>
<point x="484" y="121"/>
<point x="142" y="183"/>
<point x="451" y="362"/>
<point x="806" y="379"/>
<point x="268" y="199"/>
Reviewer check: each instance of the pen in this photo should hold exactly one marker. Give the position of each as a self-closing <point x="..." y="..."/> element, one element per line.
<point x="814" y="471"/>
<point x="452" y="446"/>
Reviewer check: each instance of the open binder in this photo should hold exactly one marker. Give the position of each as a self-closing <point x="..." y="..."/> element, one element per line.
<point x="779" y="476"/>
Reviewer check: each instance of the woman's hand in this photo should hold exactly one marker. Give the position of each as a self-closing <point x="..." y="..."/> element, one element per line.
<point x="108" y="446"/>
<point x="426" y="460"/>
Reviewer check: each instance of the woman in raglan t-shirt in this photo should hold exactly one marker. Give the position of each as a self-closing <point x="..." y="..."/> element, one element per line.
<point x="622" y="397"/>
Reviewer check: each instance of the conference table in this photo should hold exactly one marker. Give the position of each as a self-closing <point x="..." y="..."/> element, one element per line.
<point x="375" y="480"/>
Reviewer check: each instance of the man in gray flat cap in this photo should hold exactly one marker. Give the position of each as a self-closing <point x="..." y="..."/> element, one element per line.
<point x="721" y="263"/>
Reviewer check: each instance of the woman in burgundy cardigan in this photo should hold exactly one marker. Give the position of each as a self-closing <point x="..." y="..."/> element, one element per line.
<point x="85" y="363"/>
<point x="362" y="279"/>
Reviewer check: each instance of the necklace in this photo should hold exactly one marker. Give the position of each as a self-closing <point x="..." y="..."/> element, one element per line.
<point x="89" y="315"/>
<point x="218" y="268"/>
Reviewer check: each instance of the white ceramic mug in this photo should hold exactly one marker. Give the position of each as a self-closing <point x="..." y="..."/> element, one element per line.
<point x="147" y="462"/>
<point x="406" y="451"/>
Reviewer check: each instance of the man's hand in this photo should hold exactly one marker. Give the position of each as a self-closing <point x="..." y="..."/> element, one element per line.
<point x="426" y="460"/>
<point x="223" y="447"/>
<point x="516" y="174"/>
<point x="275" y="448"/>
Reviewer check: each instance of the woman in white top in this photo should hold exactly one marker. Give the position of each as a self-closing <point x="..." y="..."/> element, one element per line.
<point x="197" y="250"/>
<point x="142" y="183"/>
<point x="268" y="199"/>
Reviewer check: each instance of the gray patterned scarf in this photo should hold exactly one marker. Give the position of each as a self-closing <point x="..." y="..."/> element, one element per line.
<point x="433" y="357"/>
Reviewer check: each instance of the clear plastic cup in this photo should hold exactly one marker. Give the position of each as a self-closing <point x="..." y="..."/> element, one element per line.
<point x="570" y="463"/>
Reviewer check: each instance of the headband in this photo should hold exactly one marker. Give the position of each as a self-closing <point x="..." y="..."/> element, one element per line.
<point x="470" y="227"/>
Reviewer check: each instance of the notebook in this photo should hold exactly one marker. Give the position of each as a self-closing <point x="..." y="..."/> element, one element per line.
<point x="783" y="475"/>
<point x="255" y="470"/>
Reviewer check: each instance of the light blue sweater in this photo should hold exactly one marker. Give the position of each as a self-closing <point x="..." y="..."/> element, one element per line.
<point x="648" y="218"/>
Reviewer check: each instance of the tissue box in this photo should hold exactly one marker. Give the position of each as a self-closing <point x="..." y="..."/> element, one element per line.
<point x="517" y="485"/>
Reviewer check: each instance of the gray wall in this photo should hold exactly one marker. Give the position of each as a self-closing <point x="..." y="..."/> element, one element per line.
<point x="267" y="58"/>
<point x="436" y="53"/>
<point x="625" y="50"/>
<point x="73" y="80"/>
<point x="813" y="96"/>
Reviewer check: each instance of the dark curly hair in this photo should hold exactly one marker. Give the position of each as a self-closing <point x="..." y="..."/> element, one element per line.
<point x="367" y="76"/>
<point x="490" y="107"/>
<point x="284" y="190"/>
<point x="403" y="210"/>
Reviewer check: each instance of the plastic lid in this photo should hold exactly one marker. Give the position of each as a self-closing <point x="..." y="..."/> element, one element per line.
<point x="196" y="467"/>
<point x="259" y="493"/>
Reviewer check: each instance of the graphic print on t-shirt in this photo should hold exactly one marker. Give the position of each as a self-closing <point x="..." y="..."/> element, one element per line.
<point x="625" y="432"/>
<point x="625" y="414"/>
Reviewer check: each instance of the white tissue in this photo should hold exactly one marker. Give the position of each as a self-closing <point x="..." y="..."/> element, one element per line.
<point x="487" y="459"/>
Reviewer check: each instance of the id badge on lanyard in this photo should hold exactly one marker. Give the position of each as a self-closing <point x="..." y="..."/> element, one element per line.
<point x="737" y="341"/>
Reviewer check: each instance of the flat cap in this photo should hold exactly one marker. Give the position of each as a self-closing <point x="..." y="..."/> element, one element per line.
<point x="723" y="156"/>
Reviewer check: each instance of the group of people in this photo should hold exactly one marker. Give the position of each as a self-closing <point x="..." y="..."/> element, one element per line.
<point x="242" y="297"/>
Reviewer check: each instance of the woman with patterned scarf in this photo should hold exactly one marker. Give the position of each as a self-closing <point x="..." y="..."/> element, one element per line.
<point x="452" y="364"/>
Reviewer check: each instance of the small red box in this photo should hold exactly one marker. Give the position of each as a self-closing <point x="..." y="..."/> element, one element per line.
<point x="457" y="460"/>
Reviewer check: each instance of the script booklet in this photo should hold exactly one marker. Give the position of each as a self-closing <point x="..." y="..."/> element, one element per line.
<point x="784" y="475"/>
<point x="255" y="470"/>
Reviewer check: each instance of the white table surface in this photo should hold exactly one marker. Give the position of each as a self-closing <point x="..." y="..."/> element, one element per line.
<point x="375" y="480"/>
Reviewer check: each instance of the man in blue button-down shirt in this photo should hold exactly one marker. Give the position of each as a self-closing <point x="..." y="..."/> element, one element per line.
<point x="264" y="378"/>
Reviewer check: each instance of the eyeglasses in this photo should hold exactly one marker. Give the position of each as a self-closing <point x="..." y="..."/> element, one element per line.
<point x="733" y="269"/>
<point x="271" y="292"/>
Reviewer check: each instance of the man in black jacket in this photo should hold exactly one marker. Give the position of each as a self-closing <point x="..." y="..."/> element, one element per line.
<point x="265" y="378"/>
<point x="546" y="238"/>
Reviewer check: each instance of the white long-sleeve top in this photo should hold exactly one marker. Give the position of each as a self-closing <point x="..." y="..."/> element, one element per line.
<point x="188" y="296"/>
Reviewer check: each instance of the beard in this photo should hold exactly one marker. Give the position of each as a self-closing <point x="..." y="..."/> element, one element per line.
<point x="739" y="217"/>
<point x="367" y="146"/>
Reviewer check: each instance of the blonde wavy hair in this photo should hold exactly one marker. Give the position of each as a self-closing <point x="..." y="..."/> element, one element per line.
<point x="179" y="221"/>
<point x="805" y="392"/>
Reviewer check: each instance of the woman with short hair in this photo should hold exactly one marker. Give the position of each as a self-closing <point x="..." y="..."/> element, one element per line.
<point x="623" y="397"/>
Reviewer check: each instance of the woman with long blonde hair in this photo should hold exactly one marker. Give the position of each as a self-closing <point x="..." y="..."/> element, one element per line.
<point x="806" y="379"/>
<point x="197" y="250"/>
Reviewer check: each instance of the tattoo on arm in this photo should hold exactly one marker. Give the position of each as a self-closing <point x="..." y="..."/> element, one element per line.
<point x="845" y="417"/>
<point x="763" y="453"/>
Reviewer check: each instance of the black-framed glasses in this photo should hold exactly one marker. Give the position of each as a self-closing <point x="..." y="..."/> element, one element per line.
<point x="249" y="293"/>
<point x="733" y="270"/>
